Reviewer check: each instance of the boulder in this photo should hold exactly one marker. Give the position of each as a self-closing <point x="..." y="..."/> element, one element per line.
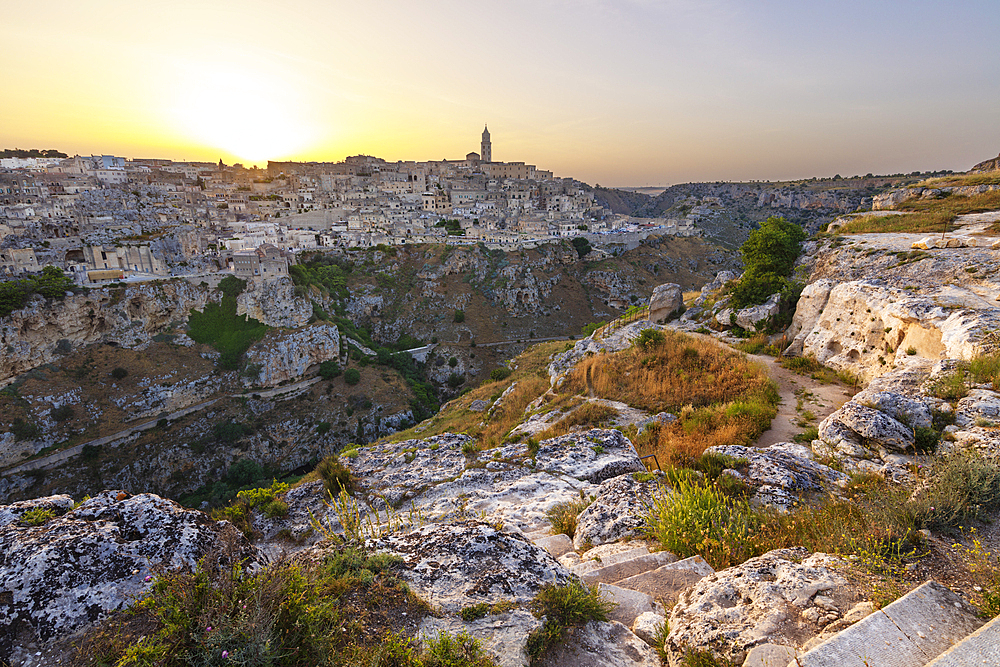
<point x="782" y="473"/>
<point x="749" y="318"/>
<point x="666" y="301"/>
<point x="618" y="512"/>
<point x="628" y="604"/>
<point x="876" y="427"/>
<point x="74" y="569"/>
<point x="766" y="600"/>
<point x="455" y="565"/>
<point x="647" y="627"/>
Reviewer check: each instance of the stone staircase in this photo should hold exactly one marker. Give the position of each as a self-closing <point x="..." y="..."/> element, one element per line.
<point x="928" y="627"/>
<point x="641" y="584"/>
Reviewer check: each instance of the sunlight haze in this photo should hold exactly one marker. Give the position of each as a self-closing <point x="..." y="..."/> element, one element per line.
<point x="633" y="92"/>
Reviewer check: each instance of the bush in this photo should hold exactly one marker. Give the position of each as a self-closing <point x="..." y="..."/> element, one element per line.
<point x="230" y="431"/>
<point x="564" y="607"/>
<point x="23" y="430"/>
<point x="961" y="486"/>
<point x="36" y="517"/>
<point x="649" y="339"/>
<point x="323" y="427"/>
<point x="244" y="472"/>
<point x="502" y="373"/>
<point x="63" y="413"/>
<point x="329" y="369"/>
<point x="352" y="376"/>
<point x="119" y="373"/>
<point x="459" y="316"/>
<point x="769" y="256"/>
<point x="699" y="519"/>
<point x="462" y="650"/>
<point x="336" y="476"/>
<point x="455" y="380"/>
<point x="218" y="325"/>
<point x="582" y="246"/>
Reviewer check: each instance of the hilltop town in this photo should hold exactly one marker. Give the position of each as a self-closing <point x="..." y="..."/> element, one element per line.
<point x="106" y="218"/>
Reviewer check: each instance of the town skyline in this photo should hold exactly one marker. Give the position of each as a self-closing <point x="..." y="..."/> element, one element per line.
<point x="628" y="93"/>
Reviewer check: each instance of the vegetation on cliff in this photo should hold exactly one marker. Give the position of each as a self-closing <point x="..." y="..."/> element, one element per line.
<point x="931" y="215"/>
<point x="218" y="325"/>
<point x="51" y="284"/>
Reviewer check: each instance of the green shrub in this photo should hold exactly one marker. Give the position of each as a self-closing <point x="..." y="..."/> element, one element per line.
<point x="699" y="519"/>
<point x="218" y="325"/>
<point x="323" y="427"/>
<point x="63" y="413"/>
<point x="36" y="516"/>
<point x="564" y="607"/>
<point x="119" y="373"/>
<point x="499" y="374"/>
<point x="329" y="369"/>
<point x="23" y="430"/>
<point x="961" y="486"/>
<point x="336" y="476"/>
<point x="275" y="508"/>
<point x="769" y="255"/>
<point x="925" y="439"/>
<point x="262" y="496"/>
<point x="459" y="316"/>
<point x="950" y="386"/>
<point x="649" y="338"/>
<point x="230" y="431"/>
<point x="461" y="650"/>
<point x="352" y="376"/>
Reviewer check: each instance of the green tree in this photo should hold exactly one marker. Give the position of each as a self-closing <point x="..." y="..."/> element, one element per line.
<point x="329" y="369"/>
<point x="582" y="246"/>
<point x="352" y="376"/>
<point x="769" y="256"/>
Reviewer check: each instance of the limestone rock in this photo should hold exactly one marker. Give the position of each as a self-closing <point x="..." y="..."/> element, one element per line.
<point x="667" y="300"/>
<point x="782" y="473"/>
<point x="596" y="644"/>
<point x="503" y="636"/>
<point x="618" y="511"/>
<point x="758" y="602"/>
<point x="628" y="604"/>
<point x="286" y="356"/>
<point x="874" y="426"/>
<point x="620" y="339"/>
<point x="748" y="318"/>
<point x="810" y="307"/>
<point x="594" y="455"/>
<point x="455" y="565"/>
<point x="74" y="569"/>
<point x="647" y="626"/>
<point x="274" y="302"/>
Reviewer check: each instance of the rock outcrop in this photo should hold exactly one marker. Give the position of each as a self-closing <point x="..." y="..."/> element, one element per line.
<point x="284" y="357"/>
<point x="72" y="569"/>
<point x="784" y="597"/>
<point x="667" y="301"/>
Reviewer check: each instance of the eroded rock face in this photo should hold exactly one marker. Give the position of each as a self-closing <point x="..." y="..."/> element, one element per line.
<point x="459" y="564"/>
<point x="75" y="568"/>
<point x="594" y="455"/>
<point x="275" y="303"/>
<point x="783" y="473"/>
<point x="619" y="511"/>
<point x="784" y="597"/>
<point x="285" y="357"/>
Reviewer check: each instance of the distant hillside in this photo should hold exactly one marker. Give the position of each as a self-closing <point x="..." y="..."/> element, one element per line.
<point x="986" y="166"/>
<point x="727" y="212"/>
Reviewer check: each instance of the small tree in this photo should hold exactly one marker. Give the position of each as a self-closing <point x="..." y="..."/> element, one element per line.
<point x="329" y="369"/>
<point x="459" y="316"/>
<point x="352" y="376"/>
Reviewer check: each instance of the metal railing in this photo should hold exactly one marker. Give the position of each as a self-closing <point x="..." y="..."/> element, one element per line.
<point x="630" y="316"/>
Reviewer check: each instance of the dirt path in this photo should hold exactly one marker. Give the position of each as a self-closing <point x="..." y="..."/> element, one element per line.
<point x="818" y="400"/>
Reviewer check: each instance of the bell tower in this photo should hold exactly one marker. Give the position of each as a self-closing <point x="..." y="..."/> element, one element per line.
<point x="486" y="151"/>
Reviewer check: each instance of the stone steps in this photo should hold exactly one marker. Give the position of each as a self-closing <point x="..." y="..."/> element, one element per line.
<point x="982" y="647"/>
<point x="910" y="632"/>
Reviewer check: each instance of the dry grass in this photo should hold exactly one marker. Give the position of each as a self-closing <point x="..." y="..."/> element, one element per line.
<point x="720" y="396"/>
<point x="588" y="414"/>
<point x="959" y="180"/>
<point x="532" y="380"/>
<point x="925" y="215"/>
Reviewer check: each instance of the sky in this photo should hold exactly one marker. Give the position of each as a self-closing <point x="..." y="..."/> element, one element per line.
<point x="618" y="93"/>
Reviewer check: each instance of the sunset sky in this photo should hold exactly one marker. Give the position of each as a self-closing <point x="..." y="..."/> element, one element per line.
<point x="625" y="92"/>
